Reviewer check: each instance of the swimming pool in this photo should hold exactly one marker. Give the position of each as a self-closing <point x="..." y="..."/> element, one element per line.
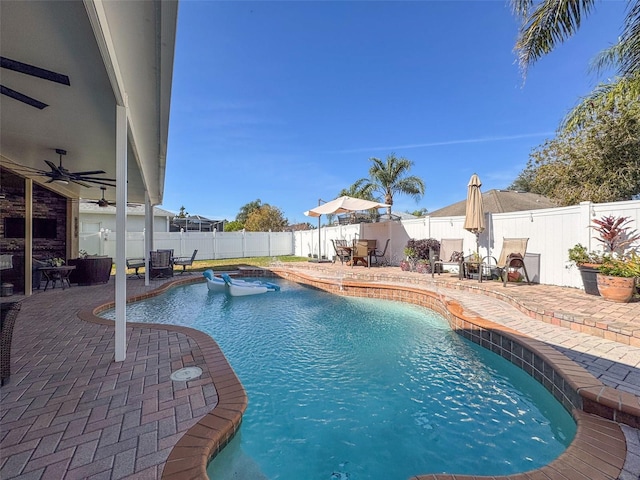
<point x="372" y="389"/>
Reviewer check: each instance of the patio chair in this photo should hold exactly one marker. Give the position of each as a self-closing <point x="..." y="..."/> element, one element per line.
<point x="160" y="264"/>
<point x="343" y="252"/>
<point x="376" y="254"/>
<point x="360" y="253"/>
<point x="185" y="261"/>
<point x="451" y="253"/>
<point x="135" y="263"/>
<point x="9" y="313"/>
<point x="511" y="256"/>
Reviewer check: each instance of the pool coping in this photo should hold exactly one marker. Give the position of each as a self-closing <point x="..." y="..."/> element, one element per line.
<point x="597" y="452"/>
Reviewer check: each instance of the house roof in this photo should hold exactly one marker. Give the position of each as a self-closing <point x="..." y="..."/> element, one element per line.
<point x="499" y="201"/>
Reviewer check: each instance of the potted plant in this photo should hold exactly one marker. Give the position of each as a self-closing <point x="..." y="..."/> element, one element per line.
<point x="615" y="235"/>
<point x="618" y="276"/>
<point x="410" y="259"/>
<point x="423" y="266"/>
<point x="588" y="264"/>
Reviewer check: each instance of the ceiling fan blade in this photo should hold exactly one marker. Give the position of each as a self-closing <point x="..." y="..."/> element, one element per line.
<point x="90" y="172"/>
<point x="98" y="182"/>
<point x="21" y="97"/>
<point x="53" y="166"/>
<point x="80" y="183"/>
<point x="34" y="71"/>
<point x="108" y="181"/>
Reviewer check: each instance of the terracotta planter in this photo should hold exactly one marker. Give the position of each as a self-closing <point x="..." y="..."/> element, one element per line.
<point x="616" y="289"/>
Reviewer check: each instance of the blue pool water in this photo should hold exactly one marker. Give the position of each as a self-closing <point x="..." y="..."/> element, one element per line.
<point x="356" y="388"/>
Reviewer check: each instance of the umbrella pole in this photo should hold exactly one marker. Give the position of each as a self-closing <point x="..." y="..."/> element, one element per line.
<point x="319" y="239"/>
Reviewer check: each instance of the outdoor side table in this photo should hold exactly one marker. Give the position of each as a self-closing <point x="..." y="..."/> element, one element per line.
<point x="479" y="266"/>
<point x="57" y="274"/>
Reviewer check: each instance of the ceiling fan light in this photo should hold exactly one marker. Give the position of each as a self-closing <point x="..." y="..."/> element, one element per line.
<point x="61" y="181"/>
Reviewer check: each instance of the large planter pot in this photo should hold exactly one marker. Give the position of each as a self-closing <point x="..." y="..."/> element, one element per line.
<point x="90" y="270"/>
<point x="616" y="289"/>
<point x="589" y="272"/>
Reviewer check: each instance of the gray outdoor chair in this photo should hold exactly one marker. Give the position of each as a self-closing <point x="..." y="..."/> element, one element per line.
<point x="135" y="263"/>
<point x="185" y="261"/>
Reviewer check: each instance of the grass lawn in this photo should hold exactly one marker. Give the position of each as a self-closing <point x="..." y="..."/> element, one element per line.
<point x="233" y="263"/>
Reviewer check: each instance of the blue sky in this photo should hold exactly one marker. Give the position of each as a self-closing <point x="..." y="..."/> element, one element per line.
<point x="286" y="101"/>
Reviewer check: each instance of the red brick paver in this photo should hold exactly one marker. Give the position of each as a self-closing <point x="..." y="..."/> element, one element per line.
<point x="70" y="411"/>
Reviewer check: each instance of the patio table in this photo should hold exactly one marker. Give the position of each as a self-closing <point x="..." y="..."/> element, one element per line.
<point x="55" y="274"/>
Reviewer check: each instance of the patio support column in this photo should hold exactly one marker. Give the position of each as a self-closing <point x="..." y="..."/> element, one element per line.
<point x="121" y="233"/>
<point x="148" y="237"/>
<point x="28" y="237"/>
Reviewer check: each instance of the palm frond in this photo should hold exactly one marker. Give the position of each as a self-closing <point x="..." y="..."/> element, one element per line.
<point x="608" y="58"/>
<point x="549" y="23"/>
<point x="630" y="39"/>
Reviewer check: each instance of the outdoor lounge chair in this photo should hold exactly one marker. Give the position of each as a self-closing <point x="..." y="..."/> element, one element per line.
<point x="9" y="313"/>
<point x="135" y="263"/>
<point x="451" y="253"/>
<point x="343" y="252"/>
<point x="185" y="261"/>
<point x="160" y="264"/>
<point x="376" y="254"/>
<point x="511" y="257"/>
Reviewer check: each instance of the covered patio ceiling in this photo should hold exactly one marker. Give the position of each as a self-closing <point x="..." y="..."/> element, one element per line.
<point x="114" y="53"/>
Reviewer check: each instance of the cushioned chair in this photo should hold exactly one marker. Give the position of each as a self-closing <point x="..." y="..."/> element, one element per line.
<point x="376" y="254"/>
<point x="160" y="264"/>
<point x="511" y="257"/>
<point x="185" y="261"/>
<point x="450" y="254"/>
<point x="135" y="263"/>
<point x="9" y="313"/>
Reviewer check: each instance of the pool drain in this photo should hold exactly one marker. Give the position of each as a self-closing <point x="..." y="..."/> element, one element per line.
<point x="187" y="373"/>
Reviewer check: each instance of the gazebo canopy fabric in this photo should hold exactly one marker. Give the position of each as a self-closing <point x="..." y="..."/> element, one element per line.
<point x="343" y="205"/>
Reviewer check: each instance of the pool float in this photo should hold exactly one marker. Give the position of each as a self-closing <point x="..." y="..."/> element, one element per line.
<point x="237" y="288"/>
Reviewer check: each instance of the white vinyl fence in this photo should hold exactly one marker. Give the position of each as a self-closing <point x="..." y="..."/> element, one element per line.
<point x="210" y="245"/>
<point x="551" y="233"/>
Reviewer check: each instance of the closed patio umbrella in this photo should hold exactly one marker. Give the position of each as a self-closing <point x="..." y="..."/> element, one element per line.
<point x="343" y="204"/>
<point x="474" y="216"/>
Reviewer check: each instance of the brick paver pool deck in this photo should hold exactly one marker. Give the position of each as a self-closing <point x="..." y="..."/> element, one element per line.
<point x="70" y="411"/>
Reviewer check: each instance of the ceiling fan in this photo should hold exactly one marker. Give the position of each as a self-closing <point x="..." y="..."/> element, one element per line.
<point x="34" y="71"/>
<point x="60" y="174"/>
<point x="103" y="202"/>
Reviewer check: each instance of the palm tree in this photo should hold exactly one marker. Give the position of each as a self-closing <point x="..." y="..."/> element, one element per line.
<point x="551" y="22"/>
<point x="390" y="177"/>
<point x="360" y="189"/>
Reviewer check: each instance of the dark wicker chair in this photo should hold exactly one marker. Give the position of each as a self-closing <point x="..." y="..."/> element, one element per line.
<point x="10" y="312"/>
<point x="160" y="265"/>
